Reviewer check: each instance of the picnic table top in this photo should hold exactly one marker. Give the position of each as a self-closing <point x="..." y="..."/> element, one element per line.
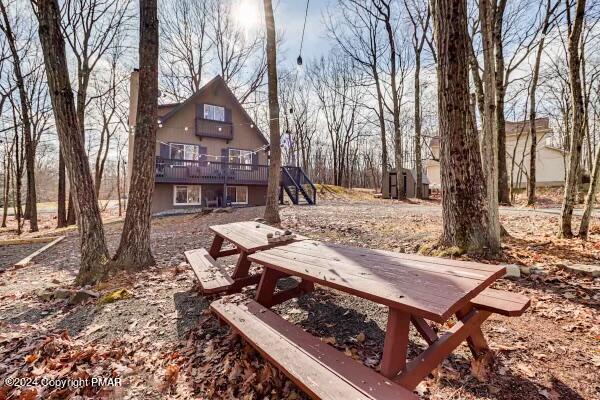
<point x="429" y="287"/>
<point x="250" y="236"/>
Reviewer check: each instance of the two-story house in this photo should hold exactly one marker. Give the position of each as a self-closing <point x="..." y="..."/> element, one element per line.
<point x="209" y="152"/>
<point x="550" y="161"/>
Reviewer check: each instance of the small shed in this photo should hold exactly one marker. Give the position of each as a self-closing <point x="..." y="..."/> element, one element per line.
<point x="407" y="180"/>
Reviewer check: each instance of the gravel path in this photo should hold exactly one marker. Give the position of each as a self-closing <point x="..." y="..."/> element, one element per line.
<point x="549" y="353"/>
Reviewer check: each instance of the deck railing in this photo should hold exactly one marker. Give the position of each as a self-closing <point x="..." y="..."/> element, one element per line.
<point x="215" y="129"/>
<point x="207" y="172"/>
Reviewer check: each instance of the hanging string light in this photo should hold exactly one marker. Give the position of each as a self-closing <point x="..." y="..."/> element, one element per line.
<point x="299" y="59"/>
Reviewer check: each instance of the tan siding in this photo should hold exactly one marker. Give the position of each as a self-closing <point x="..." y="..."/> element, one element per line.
<point x="244" y="137"/>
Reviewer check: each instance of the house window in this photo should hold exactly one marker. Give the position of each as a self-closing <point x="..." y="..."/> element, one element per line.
<point x="186" y="195"/>
<point x="237" y="194"/>
<point x="183" y="151"/>
<point x="214" y="113"/>
<point x="240" y="159"/>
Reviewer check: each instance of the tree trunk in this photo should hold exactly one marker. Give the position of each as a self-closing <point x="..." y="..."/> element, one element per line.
<point x="71" y="220"/>
<point x="94" y="253"/>
<point x="532" y="108"/>
<point x="577" y="124"/>
<point x="31" y="208"/>
<point x="418" y="162"/>
<point x="395" y="100"/>
<point x="119" y="185"/>
<point x="134" y="251"/>
<point x="61" y="214"/>
<point x="500" y="81"/>
<point x="464" y="212"/>
<point x="6" y="191"/>
<point x="589" y="199"/>
<point x="272" y="207"/>
<point x="381" y="117"/>
<point x="489" y="137"/>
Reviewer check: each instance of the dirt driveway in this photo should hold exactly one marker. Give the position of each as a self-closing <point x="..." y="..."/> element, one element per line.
<point x="164" y="344"/>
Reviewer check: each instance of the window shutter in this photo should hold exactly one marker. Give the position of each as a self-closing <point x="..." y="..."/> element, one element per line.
<point x="200" y="110"/>
<point x="225" y="156"/>
<point x="227" y="114"/>
<point x="202" y="155"/>
<point x="164" y="151"/>
<point x="254" y="161"/>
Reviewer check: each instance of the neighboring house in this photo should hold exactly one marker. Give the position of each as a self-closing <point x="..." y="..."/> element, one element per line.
<point x="389" y="189"/>
<point x="550" y="161"/>
<point x="209" y="152"/>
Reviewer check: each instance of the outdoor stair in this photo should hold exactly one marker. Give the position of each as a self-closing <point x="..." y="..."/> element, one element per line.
<point x="297" y="185"/>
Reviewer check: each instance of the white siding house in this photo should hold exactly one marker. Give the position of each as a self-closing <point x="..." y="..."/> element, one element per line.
<point x="550" y="161"/>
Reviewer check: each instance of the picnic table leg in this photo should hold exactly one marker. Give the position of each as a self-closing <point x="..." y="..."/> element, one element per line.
<point x="419" y="367"/>
<point x="242" y="267"/>
<point x="395" y="346"/>
<point x="476" y="340"/>
<point x="215" y="248"/>
<point x="424" y="329"/>
<point x="266" y="286"/>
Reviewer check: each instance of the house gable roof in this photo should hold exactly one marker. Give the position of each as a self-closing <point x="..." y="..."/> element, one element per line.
<point x="512" y="128"/>
<point x="216" y="81"/>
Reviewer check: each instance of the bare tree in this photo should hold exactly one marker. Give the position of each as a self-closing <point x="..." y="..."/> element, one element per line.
<point x="7" y="29"/>
<point x="90" y="28"/>
<point x="545" y="26"/>
<point x="134" y="252"/>
<point x="419" y="15"/>
<point x="489" y="137"/>
<point x="185" y="55"/>
<point x="464" y="208"/>
<point x="357" y="35"/>
<point x="575" y="28"/>
<point x="272" y="206"/>
<point x="111" y="113"/>
<point x="335" y="86"/>
<point x="94" y="253"/>
<point x="239" y="59"/>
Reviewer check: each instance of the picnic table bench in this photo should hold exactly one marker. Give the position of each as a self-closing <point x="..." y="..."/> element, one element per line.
<point x="247" y="237"/>
<point x="416" y="289"/>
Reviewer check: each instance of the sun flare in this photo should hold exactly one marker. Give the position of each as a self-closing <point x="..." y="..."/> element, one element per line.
<point x="246" y="14"/>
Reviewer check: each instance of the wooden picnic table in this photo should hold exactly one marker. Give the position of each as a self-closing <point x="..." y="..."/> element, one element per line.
<point x="415" y="288"/>
<point x="247" y="237"/>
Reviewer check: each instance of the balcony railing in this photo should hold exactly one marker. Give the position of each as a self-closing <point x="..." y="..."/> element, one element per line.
<point x="214" y="129"/>
<point x="210" y="172"/>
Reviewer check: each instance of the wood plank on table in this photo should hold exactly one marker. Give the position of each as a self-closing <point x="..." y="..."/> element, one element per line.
<point x="248" y="237"/>
<point x="392" y="267"/>
<point x="433" y="292"/>
<point x="432" y="289"/>
<point x="332" y="249"/>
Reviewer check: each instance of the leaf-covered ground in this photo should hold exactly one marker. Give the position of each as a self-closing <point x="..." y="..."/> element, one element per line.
<point x="158" y="337"/>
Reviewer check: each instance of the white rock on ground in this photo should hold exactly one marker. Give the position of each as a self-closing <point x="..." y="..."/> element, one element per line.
<point x="584" y="269"/>
<point x="512" y="271"/>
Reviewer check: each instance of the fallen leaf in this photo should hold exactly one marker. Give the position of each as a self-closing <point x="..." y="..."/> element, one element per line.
<point x="329" y="340"/>
<point x="31" y="358"/>
<point x="361" y="337"/>
<point x="171" y="374"/>
<point x="28" y="394"/>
